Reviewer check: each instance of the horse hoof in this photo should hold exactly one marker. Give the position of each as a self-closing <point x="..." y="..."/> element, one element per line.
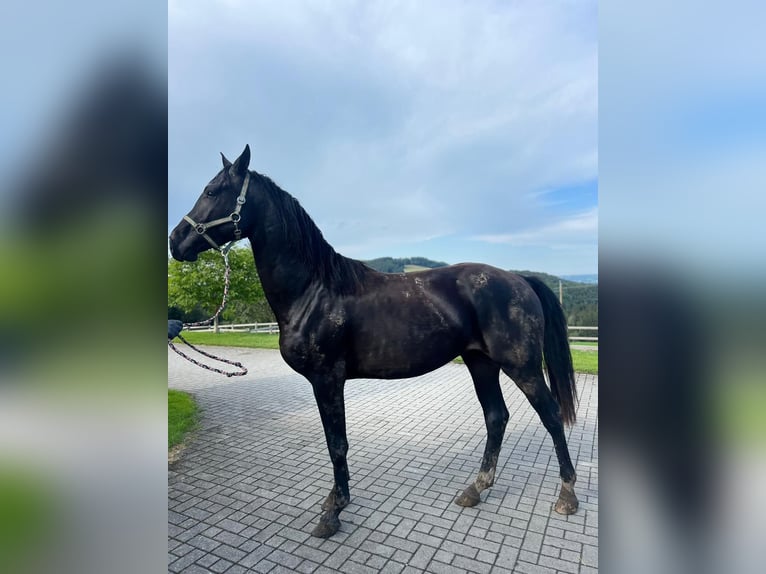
<point x="328" y="525"/>
<point x="567" y="503"/>
<point x="469" y="497"/>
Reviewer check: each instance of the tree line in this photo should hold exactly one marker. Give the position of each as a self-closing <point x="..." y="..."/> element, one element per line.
<point x="397" y="264"/>
<point x="195" y="288"/>
<point x="580" y="300"/>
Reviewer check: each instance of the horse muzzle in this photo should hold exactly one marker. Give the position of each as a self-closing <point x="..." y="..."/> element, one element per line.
<point x="177" y="250"/>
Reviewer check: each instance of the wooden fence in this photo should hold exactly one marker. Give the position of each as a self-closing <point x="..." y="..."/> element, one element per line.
<point x="274" y="328"/>
<point x="582" y="337"/>
<point x="240" y="328"/>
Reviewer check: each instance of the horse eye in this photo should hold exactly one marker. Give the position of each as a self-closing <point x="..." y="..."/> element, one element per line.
<point x="210" y="192"/>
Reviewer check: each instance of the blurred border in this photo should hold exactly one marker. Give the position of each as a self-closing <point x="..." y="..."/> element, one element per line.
<point x="83" y="247"/>
<point x="682" y="108"/>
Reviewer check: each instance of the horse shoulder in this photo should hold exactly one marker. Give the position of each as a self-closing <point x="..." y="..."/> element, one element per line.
<point x="313" y="344"/>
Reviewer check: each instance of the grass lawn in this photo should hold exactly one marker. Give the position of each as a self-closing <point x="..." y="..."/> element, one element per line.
<point x="182" y="416"/>
<point x="584" y="361"/>
<point x="253" y="340"/>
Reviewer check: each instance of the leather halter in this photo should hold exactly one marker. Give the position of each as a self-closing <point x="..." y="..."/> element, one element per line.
<point x="234" y="217"/>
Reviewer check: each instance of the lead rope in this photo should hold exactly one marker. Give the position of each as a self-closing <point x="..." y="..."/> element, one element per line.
<point x="242" y="370"/>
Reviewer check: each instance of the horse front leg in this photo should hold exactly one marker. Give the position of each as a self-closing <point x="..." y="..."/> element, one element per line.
<point x="328" y="392"/>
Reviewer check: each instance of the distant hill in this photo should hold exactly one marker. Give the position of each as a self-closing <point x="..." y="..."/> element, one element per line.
<point x="591" y="278"/>
<point x="580" y="296"/>
<point x="411" y="268"/>
<point x="402" y="264"/>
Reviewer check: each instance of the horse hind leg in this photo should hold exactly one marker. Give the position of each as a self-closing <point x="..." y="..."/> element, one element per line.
<point x="532" y="383"/>
<point x="485" y="374"/>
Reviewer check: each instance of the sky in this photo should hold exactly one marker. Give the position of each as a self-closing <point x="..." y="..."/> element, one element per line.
<point x="458" y="131"/>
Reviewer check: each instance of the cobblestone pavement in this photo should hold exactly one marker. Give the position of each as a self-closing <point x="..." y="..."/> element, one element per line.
<point x="247" y="491"/>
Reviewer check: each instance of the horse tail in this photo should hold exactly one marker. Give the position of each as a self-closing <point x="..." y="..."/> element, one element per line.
<point x="556" y="353"/>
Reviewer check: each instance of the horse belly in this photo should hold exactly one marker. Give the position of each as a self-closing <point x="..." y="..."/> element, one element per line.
<point x="404" y="352"/>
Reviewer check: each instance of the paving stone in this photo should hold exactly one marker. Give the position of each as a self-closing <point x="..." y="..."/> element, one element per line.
<point x="392" y="567"/>
<point x="527" y="568"/>
<point x="307" y="567"/>
<point x="208" y="560"/>
<point x="339" y="557"/>
<point x="220" y="566"/>
<point x="589" y="556"/>
<point x="558" y="564"/>
<point x="246" y="493"/>
<point x="486" y="556"/>
<point x="229" y="552"/>
<point x="195" y="569"/>
<point x="444" y="556"/>
<point x="256" y="556"/>
<point x="441" y="568"/>
<point x="469" y="565"/>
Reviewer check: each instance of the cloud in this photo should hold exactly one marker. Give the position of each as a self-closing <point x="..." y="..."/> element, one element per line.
<point x="570" y="232"/>
<point x="389" y="120"/>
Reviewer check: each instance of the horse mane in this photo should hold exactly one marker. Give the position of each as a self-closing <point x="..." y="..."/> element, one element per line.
<point x="342" y="275"/>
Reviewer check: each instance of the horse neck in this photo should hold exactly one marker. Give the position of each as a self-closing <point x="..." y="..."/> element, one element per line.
<point x="283" y="271"/>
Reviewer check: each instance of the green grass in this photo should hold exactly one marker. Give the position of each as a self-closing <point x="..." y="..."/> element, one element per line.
<point x="182" y="416"/>
<point x="584" y="361"/>
<point x="252" y="340"/>
<point x="586" y="343"/>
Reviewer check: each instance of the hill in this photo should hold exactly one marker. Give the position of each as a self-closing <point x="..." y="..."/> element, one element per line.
<point x="580" y="300"/>
<point x="591" y="278"/>
<point x="580" y="297"/>
<point x="402" y="264"/>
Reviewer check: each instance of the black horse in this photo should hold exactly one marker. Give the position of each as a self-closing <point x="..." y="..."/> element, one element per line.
<point x="340" y="319"/>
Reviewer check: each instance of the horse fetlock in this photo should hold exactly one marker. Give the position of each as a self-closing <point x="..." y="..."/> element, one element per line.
<point x="485" y="479"/>
<point x="336" y="501"/>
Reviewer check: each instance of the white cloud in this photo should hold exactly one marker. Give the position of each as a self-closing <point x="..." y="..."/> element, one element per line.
<point x="575" y="230"/>
<point x="410" y="118"/>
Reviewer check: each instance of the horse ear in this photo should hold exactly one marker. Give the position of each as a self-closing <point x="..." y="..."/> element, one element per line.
<point x="226" y="162"/>
<point x="242" y="162"/>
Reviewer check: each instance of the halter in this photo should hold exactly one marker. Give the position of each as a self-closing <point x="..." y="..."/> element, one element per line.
<point x="234" y="217"/>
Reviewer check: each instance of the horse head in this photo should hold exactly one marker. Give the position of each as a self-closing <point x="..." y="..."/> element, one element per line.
<point x="216" y="217"/>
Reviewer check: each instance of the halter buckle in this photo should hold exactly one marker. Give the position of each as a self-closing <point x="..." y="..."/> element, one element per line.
<point x="235" y="217"/>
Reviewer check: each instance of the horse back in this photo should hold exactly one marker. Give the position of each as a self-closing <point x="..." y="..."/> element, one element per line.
<point x="404" y="325"/>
